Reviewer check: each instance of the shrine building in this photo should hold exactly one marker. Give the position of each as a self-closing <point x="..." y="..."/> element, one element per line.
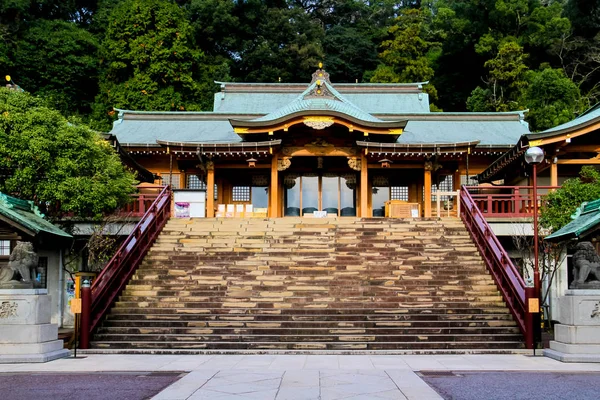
<point x="291" y="149"/>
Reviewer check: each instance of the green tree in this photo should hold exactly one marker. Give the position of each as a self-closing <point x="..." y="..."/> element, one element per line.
<point x="150" y="62"/>
<point x="475" y="31"/>
<point x="51" y="160"/>
<point x="263" y="41"/>
<point x="559" y="205"/>
<point x="69" y="80"/>
<point x="354" y="30"/>
<point x="348" y="53"/>
<point x="505" y="82"/>
<point x="408" y="55"/>
<point x="579" y="52"/>
<point x="551" y="97"/>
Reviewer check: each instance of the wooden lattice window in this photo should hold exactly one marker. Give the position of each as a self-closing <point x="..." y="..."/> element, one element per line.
<point x="4" y="247"/>
<point x="241" y="193"/>
<point x="399" y="193"/>
<point x="168" y="179"/>
<point x="193" y="182"/>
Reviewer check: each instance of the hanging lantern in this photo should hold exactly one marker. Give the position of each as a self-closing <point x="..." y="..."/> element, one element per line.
<point x="251" y="162"/>
<point x="385" y="163"/>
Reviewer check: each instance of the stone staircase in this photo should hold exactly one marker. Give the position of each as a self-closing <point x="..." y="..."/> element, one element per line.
<point x="311" y="284"/>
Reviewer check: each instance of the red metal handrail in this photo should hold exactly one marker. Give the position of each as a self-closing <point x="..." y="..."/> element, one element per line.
<point x="506" y="201"/>
<point x="505" y="274"/>
<point x="113" y="278"/>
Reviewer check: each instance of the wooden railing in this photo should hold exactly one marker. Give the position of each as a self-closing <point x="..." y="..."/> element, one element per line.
<point x="505" y="274"/>
<point x="506" y="201"/>
<point x="113" y="278"/>
<point x="138" y="206"/>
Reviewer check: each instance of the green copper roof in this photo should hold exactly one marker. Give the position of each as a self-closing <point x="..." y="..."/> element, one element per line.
<point x="590" y="116"/>
<point x="332" y="101"/>
<point x="585" y="219"/>
<point x="23" y="213"/>
<point x="382" y="106"/>
<point x="264" y="98"/>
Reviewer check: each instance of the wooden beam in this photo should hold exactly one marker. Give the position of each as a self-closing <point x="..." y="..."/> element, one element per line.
<point x="273" y="189"/>
<point x="427" y="196"/>
<point x="582" y="148"/>
<point x="261" y="164"/>
<point x="398" y="166"/>
<point x="210" y="191"/>
<point x="564" y="136"/>
<point x="364" y="186"/>
<point x="456" y="180"/>
<point x="412" y="193"/>
<point x="284" y="126"/>
<point x="592" y="161"/>
<point x="553" y="174"/>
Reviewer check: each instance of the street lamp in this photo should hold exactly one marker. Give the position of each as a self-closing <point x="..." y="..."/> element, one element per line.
<point x="534" y="156"/>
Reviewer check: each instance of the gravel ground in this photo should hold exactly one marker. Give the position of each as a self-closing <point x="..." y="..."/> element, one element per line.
<point x="88" y="386"/>
<point x="514" y="385"/>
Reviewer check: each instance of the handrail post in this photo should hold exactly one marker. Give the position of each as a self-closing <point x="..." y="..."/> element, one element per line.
<point x="86" y="309"/>
<point x="529" y="339"/>
<point x="141" y="204"/>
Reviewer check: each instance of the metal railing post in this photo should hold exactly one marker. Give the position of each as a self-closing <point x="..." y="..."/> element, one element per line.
<point x="529" y="318"/>
<point x="86" y="310"/>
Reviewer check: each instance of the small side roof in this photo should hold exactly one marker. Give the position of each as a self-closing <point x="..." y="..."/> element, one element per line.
<point x="141" y="132"/>
<point x="585" y="220"/>
<point x="585" y="123"/>
<point x="488" y="133"/>
<point x="589" y="117"/>
<point x="26" y="217"/>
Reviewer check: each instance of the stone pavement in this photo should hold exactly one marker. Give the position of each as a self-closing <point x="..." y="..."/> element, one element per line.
<point x="294" y="377"/>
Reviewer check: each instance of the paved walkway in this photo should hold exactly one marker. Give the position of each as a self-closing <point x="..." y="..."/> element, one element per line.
<point x="292" y="377"/>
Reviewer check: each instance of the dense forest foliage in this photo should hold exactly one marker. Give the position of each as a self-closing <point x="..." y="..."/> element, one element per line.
<point x="84" y="57"/>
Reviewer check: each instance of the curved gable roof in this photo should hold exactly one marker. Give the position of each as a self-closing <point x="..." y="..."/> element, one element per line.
<point x="330" y="100"/>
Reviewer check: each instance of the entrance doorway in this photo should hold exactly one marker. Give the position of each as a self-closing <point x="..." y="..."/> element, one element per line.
<point x="307" y="193"/>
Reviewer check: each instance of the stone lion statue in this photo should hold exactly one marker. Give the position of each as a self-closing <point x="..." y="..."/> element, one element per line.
<point x="17" y="274"/>
<point x="586" y="265"/>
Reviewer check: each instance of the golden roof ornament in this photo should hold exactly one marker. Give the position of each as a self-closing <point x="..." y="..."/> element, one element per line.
<point x="320" y="75"/>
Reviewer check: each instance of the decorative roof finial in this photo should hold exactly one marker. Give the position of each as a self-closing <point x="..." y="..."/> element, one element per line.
<point x="321" y="75"/>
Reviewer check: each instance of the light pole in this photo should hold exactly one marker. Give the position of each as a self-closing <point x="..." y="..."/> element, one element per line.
<point x="534" y="156"/>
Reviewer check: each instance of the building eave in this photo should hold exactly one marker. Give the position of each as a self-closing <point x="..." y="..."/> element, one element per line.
<point x="298" y="117"/>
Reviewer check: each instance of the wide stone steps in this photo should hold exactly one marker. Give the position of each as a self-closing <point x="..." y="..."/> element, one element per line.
<point x="310" y="337"/>
<point x="366" y="291"/>
<point x="445" y="344"/>
<point x="294" y="313"/>
<point x="388" y="313"/>
<point x="359" y="322"/>
<point x="469" y="296"/>
<point x="277" y="330"/>
<point x="308" y="284"/>
<point x="331" y="302"/>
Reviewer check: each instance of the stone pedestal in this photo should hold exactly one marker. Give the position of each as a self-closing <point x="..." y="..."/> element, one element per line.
<point x="577" y="338"/>
<point x="26" y="334"/>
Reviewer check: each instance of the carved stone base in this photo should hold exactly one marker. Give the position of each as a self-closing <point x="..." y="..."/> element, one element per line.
<point x="577" y="338"/>
<point x="26" y="334"/>
<point x="16" y="285"/>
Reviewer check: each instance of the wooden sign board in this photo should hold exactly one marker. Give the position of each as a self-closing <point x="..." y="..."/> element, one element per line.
<point x="76" y="306"/>
<point x="534" y="305"/>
